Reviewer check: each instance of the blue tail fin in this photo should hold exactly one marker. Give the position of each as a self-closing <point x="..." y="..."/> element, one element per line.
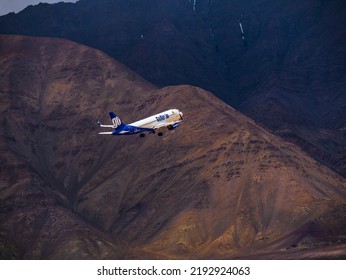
<point x="117" y="123"/>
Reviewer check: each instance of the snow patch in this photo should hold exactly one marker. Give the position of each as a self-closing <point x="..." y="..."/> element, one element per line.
<point x="193" y="4"/>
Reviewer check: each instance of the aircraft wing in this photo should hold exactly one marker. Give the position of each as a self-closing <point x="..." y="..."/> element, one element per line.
<point x="109" y="132"/>
<point x="166" y="124"/>
<point x="161" y="125"/>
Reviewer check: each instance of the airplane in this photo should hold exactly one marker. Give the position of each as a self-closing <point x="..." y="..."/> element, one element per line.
<point x="170" y="119"/>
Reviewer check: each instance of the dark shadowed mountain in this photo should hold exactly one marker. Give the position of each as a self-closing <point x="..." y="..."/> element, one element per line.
<point x="219" y="186"/>
<point x="288" y="73"/>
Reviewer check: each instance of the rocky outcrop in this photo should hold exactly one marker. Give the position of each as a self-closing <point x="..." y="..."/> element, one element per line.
<point x="219" y="186"/>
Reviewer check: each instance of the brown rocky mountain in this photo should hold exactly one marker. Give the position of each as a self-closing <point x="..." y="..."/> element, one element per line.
<point x="288" y="74"/>
<point x="219" y="186"/>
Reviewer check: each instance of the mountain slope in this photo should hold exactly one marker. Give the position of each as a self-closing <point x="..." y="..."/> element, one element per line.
<point x="288" y="73"/>
<point x="219" y="186"/>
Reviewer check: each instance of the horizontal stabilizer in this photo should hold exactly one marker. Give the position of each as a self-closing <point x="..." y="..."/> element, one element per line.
<point x="109" y="133"/>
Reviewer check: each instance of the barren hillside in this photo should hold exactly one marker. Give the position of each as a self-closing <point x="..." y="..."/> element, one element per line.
<point x="219" y="186"/>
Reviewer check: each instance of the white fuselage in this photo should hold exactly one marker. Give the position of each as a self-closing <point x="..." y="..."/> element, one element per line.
<point x="159" y="120"/>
